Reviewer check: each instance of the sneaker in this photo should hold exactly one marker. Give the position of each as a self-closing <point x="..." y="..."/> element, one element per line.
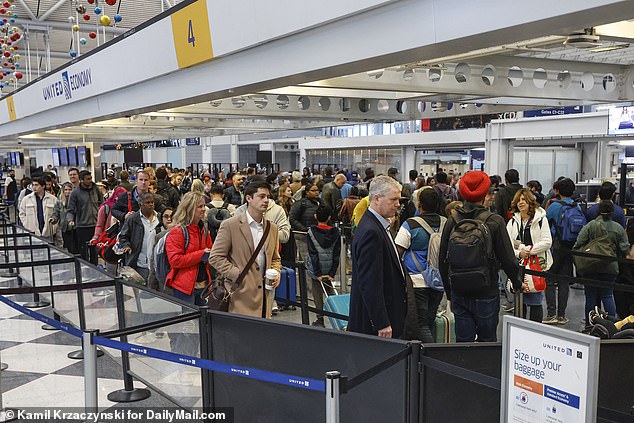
<point x="274" y="310"/>
<point x="319" y="323"/>
<point x="508" y="308"/>
<point x="550" y="320"/>
<point x="561" y="320"/>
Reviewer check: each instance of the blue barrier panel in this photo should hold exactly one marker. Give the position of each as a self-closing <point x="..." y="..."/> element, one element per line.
<point x="61" y="326"/>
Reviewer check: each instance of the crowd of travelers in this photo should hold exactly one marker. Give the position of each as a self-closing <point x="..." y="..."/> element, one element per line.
<point x="408" y="244"/>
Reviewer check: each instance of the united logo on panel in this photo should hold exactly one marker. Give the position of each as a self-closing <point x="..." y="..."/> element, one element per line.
<point x="67" y="84"/>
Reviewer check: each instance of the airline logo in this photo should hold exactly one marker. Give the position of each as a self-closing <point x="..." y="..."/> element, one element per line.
<point x="68" y="84"/>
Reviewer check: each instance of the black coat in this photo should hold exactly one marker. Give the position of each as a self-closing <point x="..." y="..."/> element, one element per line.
<point x="132" y="235"/>
<point x="378" y="298"/>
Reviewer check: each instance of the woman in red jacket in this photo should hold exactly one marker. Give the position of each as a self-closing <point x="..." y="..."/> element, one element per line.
<point x="189" y="274"/>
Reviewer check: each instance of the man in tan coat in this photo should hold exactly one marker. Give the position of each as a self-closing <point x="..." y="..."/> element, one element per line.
<point x="234" y="245"/>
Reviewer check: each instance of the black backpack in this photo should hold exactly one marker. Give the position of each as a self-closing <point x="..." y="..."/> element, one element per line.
<point x="470" y="255"/>
<point x="215" y="217"/>
<point x="444" y="200"/>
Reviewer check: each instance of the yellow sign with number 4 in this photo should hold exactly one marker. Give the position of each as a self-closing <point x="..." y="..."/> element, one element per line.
<point x="192" y="36"/>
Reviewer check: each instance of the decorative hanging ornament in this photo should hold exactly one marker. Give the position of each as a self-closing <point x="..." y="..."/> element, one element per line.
<point x="82" y="41"/>
<point x="91" y="1"/>
<point x="93" y="35"/>
<point x="72" y="53"/>
<point x="81" y="9"/>
<point x="118" y="18"/>
<point x="3" y="11"/>
<point x="71" y="19"/>
<point x="75" y="28"/>
<point x="6" y="4"/>
<point x="86" y="17"/>
<point x="18" y="75"/>
<point x="97" y="10"/>
<point x="11" y="80"/>
<point x="111" y="2"/>
<point x="7" y="54"/>
<point x="104" y="20"/>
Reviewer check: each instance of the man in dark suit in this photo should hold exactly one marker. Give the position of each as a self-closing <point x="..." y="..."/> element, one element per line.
<point x="378" y="301"/>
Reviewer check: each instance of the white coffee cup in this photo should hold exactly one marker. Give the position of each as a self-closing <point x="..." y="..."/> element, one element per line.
<point x="270" y="275"/>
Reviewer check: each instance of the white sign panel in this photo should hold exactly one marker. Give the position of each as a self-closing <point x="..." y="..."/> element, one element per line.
<point x="549" y="375"/>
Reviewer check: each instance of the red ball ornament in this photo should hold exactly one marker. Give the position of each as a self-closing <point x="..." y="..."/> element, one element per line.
<point x="1" y="76"/>
<point x="4" y="20"/>
<point x="15" y="48"/>
<point x="6" y="64"/>
<point x="86" y="17"/>
<point x="6" y="4"/>
<point x="18" y="75"/>
<point x="91" y="1"/>
<point x="3" y="11"/>
<point x="12" y="67"/>
<point x="92" y="35"/>
<point x="111" y="2"/>
<point x="8" y="43"/>
<point x="7" y="54"/>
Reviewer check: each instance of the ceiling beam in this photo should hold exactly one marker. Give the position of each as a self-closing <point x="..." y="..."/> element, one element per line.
<point x="27" y="9"/>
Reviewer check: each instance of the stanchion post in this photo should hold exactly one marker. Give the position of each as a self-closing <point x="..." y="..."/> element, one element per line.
<point x="333" y="380"/>
<point x="343" y="255"/>
<point x="519" y="305"/>
<point x="79" y="354"/>
<point x="50" y="280"/>
<point x="129" y="393"/>
<point x="8" y="273"/>
<point x="303" y="291"/>
<point x="206" y="352"/>
<point x="90" y="371"/>
<point x="37" y="302"/>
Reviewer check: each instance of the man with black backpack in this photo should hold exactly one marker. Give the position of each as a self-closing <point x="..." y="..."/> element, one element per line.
<point x="566" y="220"/>
<point x="218" y="210"/>
<point x="474" y="241"/>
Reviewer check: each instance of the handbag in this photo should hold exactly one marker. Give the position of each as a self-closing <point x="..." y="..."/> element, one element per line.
<point x="218" y="293"/>
<point x="535" y="283"/>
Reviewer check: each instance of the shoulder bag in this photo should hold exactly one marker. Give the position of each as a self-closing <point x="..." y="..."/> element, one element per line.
<point x="218" y="293"/>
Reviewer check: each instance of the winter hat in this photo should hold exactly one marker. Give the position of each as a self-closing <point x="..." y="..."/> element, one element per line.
<point x="474" y="186"/>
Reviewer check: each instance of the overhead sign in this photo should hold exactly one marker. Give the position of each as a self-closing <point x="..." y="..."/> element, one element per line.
<point x="192" y="141"/>
<point x="549" y="375"/>
<point x="553" y="111"/>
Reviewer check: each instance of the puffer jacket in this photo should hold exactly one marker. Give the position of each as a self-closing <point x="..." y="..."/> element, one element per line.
<point x="184" y="271"/>
<point x="302" y="214"/>
<point x="616" y="233"/>
<point x="324" y="256"/>
<point x="540" y="235"/>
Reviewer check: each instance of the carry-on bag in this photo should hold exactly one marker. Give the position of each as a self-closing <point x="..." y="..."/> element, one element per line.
<point x="286" y="291"/>
<point x="445" y="327"/>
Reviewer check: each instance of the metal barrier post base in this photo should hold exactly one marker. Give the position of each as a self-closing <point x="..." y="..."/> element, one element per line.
<point x="8" y="274"/>
<point x="48" y="327"/>
<point x="37" y="304"/>
<point x="8" y="414"/>
<point x="79" y="354"/>
<point x="4" y="366"/>
<point x="133" y="395"/>
<point x="332" y="396"/>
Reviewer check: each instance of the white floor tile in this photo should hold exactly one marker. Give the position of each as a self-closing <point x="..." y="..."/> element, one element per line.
<point x="38" y="358"/>
<point x="7" y="312"/>
<point x="21" y="330"/>
<point x="60" y="391"/>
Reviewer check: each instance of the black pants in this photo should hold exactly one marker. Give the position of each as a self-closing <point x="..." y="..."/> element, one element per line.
<point x="86" y="251"/>
<point x="70" y="243"/>
<point x="557" y="290"/>
<point x="427" y="301"/>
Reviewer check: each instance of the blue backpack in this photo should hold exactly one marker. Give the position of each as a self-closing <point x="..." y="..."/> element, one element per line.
<point x="570" y="222"/>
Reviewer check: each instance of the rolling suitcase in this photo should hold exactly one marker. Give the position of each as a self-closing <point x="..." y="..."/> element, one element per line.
<point x="445" y="328"/>
<point x="339" y="304"/>
<point x="286" y="291"/>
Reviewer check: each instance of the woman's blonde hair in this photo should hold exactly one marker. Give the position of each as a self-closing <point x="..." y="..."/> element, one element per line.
<point x="184" y="214"/>
<point x="198" y="186"/>
<point x="286" y="203"/>
<point x="528" y="197"/>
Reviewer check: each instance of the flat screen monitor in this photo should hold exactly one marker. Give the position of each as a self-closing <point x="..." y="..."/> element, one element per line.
<point x="14" y="158"/>
<point x="72" y="156"/>
<point x="8" y="159"/>
<point x="621" y="120"/>
<point x="63" y="157"/>
<point x="56" y="157"/>
<point x="20" y="158"/>
<point x="83" y="156"/>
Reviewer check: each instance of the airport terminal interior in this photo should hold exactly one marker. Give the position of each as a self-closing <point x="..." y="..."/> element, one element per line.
<point x="207" y="89"/>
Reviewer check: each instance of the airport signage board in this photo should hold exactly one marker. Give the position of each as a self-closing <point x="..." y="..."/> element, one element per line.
<point x="549" y="374"/>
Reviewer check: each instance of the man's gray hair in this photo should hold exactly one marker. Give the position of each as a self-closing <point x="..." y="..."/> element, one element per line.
<point x="382" y="185"/>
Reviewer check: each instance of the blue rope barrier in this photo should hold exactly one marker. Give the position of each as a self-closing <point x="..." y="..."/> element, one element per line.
<point x="216" y="366"/>
<point x="58" y="325"/>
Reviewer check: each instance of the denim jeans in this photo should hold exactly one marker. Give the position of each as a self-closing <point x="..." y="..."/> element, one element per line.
<point x="427" y="301"/>
<point x="595" y="296"/>
<point x="476" y="316"/>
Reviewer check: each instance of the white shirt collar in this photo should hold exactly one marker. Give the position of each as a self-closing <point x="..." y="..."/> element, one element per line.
<point x="251" y="219"/>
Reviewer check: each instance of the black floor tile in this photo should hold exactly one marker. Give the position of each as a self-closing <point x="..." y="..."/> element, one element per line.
<point x="11" y="380"/>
